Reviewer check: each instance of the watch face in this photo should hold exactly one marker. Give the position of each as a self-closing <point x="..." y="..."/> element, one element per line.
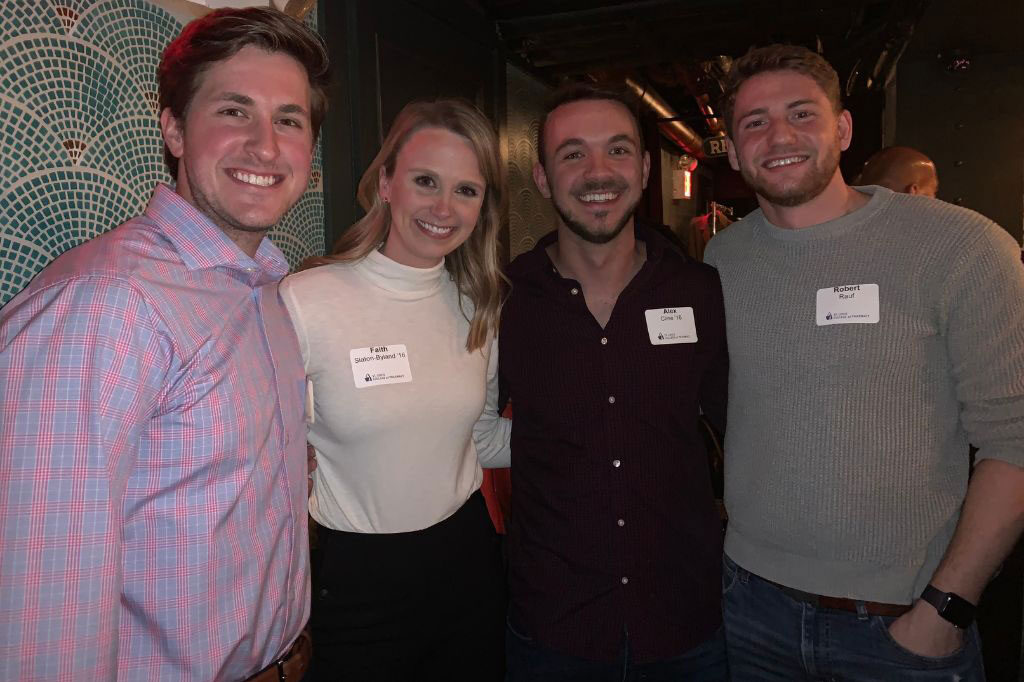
<point x="957" y="610"/>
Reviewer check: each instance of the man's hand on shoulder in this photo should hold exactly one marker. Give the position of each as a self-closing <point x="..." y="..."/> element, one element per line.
<point x="922" y="631"/>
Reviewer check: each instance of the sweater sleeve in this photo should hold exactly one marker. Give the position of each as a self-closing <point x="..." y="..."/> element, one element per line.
<point x="491" y="433"/>
<point x="984" y="307"/>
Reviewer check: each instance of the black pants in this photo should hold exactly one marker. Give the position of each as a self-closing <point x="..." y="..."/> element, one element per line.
<point x="410" y="607"/>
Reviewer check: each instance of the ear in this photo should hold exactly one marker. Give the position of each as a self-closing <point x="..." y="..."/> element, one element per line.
<point x="383" y="185"/>
<point x="845" y="124"/>
<point x="540" y="178"/>
<point x="173" y="133"/>
<point x="730" y="150"/>
<point x="647" y="167"/>
<point x="912" y="188"/>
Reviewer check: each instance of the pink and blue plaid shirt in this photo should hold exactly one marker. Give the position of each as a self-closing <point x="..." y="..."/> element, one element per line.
<point x="152" y="459"/>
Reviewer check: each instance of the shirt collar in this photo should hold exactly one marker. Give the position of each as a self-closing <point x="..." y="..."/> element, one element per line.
<point x="201" y="244"/>
<point x="537" y="259"/>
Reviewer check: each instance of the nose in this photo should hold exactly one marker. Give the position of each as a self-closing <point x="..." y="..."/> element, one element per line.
<point x="597" y="166"/>
<point x="262" y="142"/>
<point x="442" y="208"/>
<point x="781" y="133"/>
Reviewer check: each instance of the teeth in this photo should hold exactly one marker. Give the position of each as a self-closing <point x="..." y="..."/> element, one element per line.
<point x="785" y="162"/>
<point x="435" y="229"/>
<point x="603" y="196"/>
<point x="253" y="179"/>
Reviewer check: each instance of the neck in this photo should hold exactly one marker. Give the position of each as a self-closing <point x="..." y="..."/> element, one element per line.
<point x="248" y="242"/>
<point x="607" y="266"/>
<point x="837" y="200"/>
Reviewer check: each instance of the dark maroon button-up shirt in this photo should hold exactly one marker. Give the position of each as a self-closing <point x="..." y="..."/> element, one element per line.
<point x="613" y="531"/>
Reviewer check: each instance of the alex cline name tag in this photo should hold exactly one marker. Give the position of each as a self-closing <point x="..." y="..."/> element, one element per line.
<point x="671" y="325"/>
<point x="848" y="304"/>
<point x="380" y="365"/>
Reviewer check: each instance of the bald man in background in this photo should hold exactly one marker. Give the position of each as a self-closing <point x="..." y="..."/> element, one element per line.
<point x="901" y="169"/>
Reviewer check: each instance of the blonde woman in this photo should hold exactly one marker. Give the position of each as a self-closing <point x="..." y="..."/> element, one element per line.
<point x="396" y="331"/>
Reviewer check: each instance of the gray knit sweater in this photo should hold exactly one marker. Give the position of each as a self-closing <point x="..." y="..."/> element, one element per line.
<point x="846" y="451"/>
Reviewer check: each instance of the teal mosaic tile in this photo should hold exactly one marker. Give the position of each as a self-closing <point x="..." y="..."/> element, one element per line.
<point x="80" y="146"/>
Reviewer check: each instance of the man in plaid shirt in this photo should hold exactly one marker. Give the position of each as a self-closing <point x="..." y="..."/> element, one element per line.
<point x="152" y="440"/>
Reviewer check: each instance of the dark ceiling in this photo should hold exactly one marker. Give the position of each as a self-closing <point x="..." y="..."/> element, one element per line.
<point x="673" y="46"/>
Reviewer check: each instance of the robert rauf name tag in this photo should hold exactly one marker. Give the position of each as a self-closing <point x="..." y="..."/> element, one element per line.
<point x="380" y="365"/>
<point x="847" y="304"/>
<point x="671" y="325"/>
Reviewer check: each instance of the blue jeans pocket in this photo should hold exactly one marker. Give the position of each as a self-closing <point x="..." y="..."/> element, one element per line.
<point x="730" y="574"/>
<point x="881" y="627"/>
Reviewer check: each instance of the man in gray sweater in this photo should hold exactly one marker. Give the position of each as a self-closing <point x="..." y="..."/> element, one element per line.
<point x="871" y="335"/>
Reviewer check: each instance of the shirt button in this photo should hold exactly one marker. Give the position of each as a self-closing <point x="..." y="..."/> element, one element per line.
<point x="621" y="522"/>
<point x="616" y="463"/>
<point x="604" y="341"/>
<point x="611" y="399"/>
<point x="574" y="291"/>
<point x="625" y="580"/>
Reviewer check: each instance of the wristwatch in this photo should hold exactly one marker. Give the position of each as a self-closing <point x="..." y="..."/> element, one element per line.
<point x="950" y="606"/>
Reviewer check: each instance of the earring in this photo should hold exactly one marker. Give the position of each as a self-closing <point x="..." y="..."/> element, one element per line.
<point x="386" y="200"/>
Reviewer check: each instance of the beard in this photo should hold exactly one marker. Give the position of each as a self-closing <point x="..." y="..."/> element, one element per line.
<point x="813" y="183"/>
<point x="220" y="216"/>
<point x="585" y="232"/>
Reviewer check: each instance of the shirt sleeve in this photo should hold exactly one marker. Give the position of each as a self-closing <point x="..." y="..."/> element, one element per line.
<point x="984" y="304"/>
<point x="492" y="432"/>
<point x="81" y="367"/>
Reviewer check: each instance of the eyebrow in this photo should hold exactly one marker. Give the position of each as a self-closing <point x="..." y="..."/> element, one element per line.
<point x="433" y="174"/>
<point x="575" y="141"/>
<point x="763" y="110"/>
<point x="247" y="101"/>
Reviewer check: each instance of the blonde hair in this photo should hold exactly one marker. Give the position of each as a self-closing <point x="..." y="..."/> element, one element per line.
<point x="474" y="266"/>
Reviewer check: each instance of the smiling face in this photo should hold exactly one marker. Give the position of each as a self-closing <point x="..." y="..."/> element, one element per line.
<point x="246" y="145"/>
<point x="594" y="169"/>
<point x="436" y="192"/>
<point x="786" y="137"/>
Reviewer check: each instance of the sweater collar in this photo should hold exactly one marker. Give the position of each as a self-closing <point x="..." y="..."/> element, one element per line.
<point x="404" y="280"/>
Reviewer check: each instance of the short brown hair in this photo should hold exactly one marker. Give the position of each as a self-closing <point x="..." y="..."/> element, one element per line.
<point x="581" y="91"/>
<point x="780" y="58"/>
<point x="219" y="35"/>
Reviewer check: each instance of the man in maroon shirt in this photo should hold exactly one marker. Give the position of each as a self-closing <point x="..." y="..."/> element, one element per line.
<point x="611" y="343"/>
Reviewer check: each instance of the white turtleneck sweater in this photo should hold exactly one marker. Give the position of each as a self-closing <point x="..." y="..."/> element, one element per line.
<point x="402" y="456"/>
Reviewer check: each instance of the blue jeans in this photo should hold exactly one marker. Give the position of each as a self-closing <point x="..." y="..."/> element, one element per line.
<point x="772" y="636"/>
<point x="529" y="662"/>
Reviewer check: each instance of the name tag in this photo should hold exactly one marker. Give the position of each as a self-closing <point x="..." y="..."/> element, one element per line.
<point x="848" y="304"/>
<point x="380" y="365"/>
<point x="671" y="325"/>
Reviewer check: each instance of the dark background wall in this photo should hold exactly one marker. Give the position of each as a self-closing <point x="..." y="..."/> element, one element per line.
<point x="386" y="53"/>
<point x="971" y="121"/>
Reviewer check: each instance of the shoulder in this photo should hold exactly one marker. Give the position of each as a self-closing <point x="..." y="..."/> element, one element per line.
<point x="322" y="280"/>
<point x="126" y="252"/>
<point x="940" y="229"/>
<point x="732" y="242"/>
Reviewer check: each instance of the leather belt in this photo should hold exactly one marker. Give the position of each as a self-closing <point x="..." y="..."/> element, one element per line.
<point x="873" y="608"/>
<point x="292" y="665"/>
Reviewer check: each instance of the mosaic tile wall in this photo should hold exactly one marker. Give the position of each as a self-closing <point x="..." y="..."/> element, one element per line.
<point x="530" y="214"/>
<point x="80" y="147"/>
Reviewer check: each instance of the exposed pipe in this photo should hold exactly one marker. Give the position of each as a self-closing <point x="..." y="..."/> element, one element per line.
<point x="677" y="131"/>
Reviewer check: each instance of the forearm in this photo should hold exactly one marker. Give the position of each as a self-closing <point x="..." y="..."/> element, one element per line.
<point x="991" y="523"/>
